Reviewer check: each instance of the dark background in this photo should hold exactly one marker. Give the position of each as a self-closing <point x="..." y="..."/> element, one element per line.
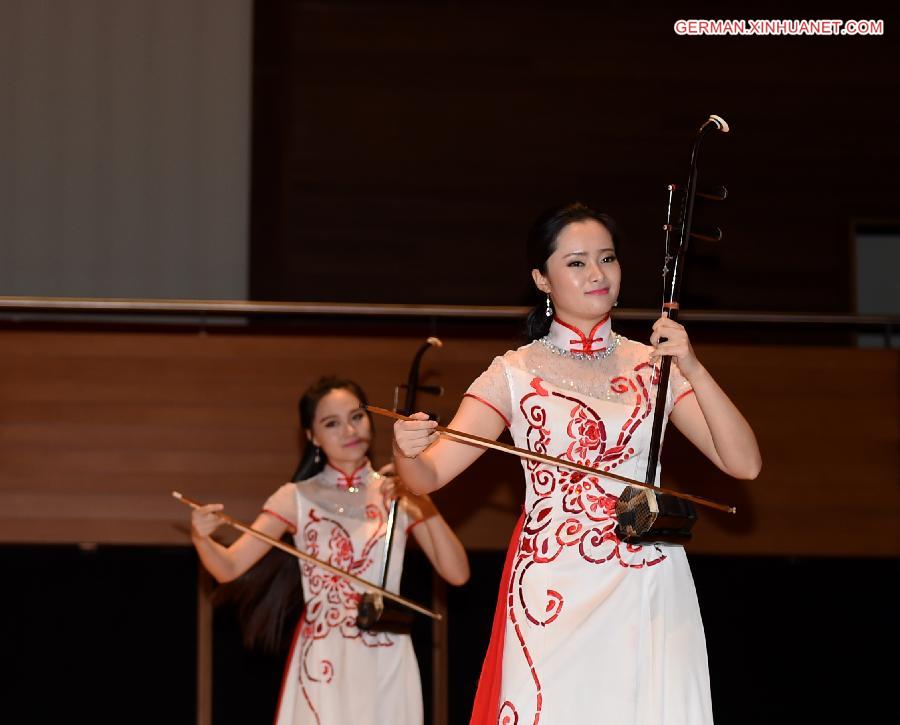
<point x="790" y="639"/>
<point x="402" y="149"/>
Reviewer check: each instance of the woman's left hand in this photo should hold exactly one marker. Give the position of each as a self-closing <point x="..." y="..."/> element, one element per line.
<point x="392" y="488"/>
<point x="677" y="345"/>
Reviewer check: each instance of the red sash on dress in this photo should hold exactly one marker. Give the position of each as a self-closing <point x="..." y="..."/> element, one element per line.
<point x="487" y="698"/>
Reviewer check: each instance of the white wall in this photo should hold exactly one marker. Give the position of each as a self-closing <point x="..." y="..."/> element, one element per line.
<point x="125" y="147"/>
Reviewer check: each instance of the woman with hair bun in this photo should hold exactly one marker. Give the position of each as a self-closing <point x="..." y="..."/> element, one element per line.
<point x="589" y="628"/>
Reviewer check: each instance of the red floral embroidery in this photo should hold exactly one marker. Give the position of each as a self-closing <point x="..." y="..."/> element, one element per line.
<point x="538" y="387"/>
<point x="572" y="509"/>
<point x="332" y="601"/>
<point x="587" y="432"/>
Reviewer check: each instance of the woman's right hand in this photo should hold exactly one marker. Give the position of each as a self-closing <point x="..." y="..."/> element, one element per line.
<point x="411" y="437"/>
<point x="204" y="520"/>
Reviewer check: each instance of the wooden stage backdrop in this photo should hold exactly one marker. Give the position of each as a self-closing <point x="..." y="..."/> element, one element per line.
<point x="97" y="427"/>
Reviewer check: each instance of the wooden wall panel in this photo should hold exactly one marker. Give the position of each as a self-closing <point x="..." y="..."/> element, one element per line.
<point x="96" y="428"/>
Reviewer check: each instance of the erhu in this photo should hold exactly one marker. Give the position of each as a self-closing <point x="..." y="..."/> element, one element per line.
<point x="373" y="613"/>
<point x="645" y="515"/>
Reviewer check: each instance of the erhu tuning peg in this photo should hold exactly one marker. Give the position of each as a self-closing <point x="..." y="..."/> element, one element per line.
<point x="715" y="193"/>
<point x="708" y="235"/>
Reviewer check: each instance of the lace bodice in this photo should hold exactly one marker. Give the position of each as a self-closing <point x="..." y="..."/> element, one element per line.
<point x="600" y="379"/>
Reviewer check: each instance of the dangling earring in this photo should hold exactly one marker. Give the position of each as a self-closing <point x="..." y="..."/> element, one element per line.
<point x="549" y="311"/>
<point x="316" y="458"/>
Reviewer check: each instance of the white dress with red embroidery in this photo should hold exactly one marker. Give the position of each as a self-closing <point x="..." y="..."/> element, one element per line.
<point x="337" y="673"/>
<point x="590" y="630"/>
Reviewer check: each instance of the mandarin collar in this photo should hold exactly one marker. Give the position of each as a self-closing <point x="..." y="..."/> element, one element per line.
<point x="570" y="338"/>
<point x="336" y="478"/>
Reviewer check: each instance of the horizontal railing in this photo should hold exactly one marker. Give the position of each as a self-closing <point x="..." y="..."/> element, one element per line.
<point x="10" y="306"/>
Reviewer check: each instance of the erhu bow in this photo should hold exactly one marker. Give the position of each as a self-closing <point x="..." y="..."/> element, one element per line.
<point x="645" y="515"/>
<point x="493" y="445"/>
<point x="303" y="556"/>
<point x="372" y="613"/>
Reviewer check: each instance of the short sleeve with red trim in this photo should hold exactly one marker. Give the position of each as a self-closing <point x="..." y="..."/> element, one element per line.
<point x="492" y="389"/>
<point x="407" y="521"/>
<point x="679" y="387"/>
<point x="283" y="505"/>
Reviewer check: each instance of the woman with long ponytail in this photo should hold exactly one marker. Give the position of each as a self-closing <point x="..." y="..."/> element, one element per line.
<point x="335" y="509"/>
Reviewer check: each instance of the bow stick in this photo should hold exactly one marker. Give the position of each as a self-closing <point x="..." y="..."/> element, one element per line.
<point x="543" y="458"/>
<point x="368" y="586"/>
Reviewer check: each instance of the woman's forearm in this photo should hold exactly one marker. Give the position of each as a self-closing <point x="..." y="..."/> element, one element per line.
<point x="227" y="563"/>
<point x="710" y="421"/>
<point x="418" y="474"/>
<point x="440" y="544"/>
<point x="215" y="558"/>
<point x="731" y="434"/>
<point x="425" y="460"/>
<point x="449" y="555"/>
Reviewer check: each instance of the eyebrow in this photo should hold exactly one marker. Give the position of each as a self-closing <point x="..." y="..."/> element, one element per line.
<point x="337" y="417"/>
<point x="583" y="254"/>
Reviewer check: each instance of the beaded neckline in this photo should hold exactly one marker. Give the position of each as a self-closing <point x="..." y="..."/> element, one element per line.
<point x="352" y="482"/>
<point x="599" y="355"/>
<point x="344" y="501"/>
